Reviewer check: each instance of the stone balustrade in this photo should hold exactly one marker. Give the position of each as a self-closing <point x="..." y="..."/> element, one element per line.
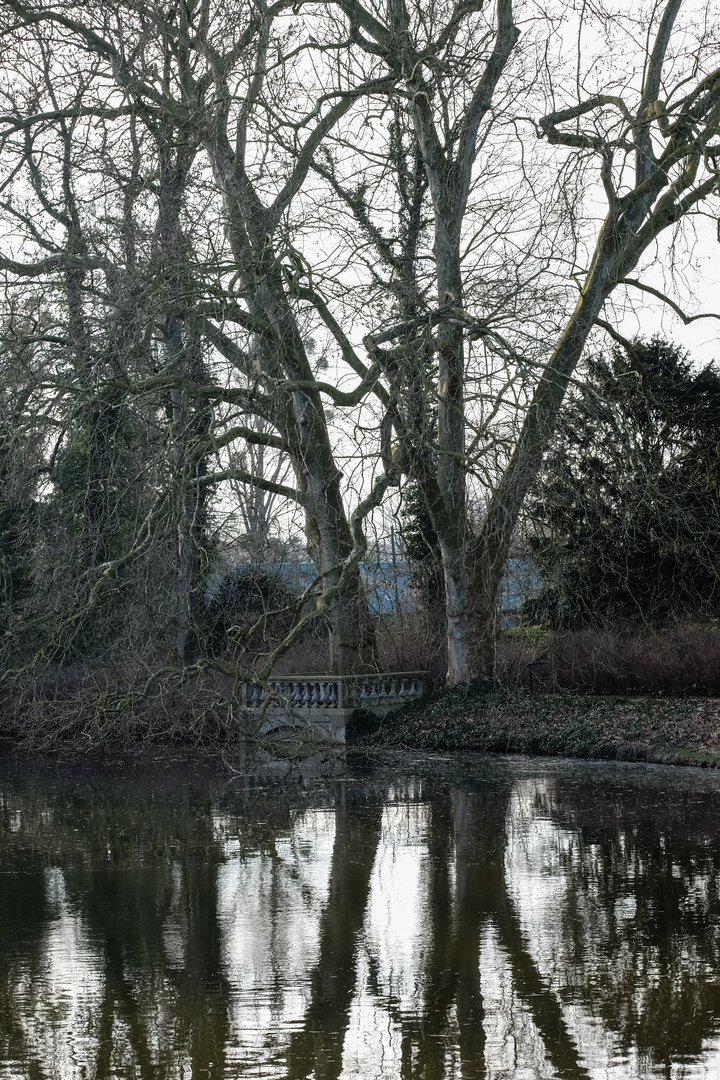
<point x="337" y="691"/>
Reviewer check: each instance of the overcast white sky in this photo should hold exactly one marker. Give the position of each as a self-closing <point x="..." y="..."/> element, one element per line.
<point x="698" y="292"/>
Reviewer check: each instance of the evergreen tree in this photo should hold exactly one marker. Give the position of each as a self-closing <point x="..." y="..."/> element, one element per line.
<point x="626" y="514"/>
<point x="421" y="545"/>
<point x="17" y="520"/>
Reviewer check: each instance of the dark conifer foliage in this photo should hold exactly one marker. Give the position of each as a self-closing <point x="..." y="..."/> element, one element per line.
<point x="421" y="545"/>
<point x="626" y="517"/>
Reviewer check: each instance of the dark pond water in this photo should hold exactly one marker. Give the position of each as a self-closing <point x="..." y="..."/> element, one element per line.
<point x="406" y="918"/>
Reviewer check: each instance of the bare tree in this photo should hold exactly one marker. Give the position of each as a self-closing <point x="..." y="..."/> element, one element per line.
<point x="656" y="162"/>
<point x="174" y="72"/>
<point x="77" y="332"/>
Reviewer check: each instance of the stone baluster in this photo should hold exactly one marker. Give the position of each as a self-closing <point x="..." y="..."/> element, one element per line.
<point x="336" y="693"/>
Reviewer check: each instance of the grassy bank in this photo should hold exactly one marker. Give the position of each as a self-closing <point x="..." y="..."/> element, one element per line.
<point x="484" y="716"/>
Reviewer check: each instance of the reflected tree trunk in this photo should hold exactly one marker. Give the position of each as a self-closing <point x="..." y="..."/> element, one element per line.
<point x="125" y="906"/>
<point x="470" y="829"/>
<point x="318" y="1048"/>
<point x="439" y="980"/>
<point x="466" y="940"/>
<point x="119" y="993"/>
<point x="24" y="915"/>
<point x="205" y="986"/>
<point x="485" y="820"/>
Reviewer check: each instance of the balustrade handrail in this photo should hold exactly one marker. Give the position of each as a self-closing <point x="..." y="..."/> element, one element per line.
<point x="337" y="691"/>
<point x="348" y="678"/>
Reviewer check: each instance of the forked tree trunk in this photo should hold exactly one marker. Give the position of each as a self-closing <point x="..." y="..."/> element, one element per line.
<point x="300" y="418"/>
<point x="473" y="566"/>
<point x="633" y="222"/>
<point x="491" y="549"/>
<point x="449" y="165"/>
<point x="329" y="541"/>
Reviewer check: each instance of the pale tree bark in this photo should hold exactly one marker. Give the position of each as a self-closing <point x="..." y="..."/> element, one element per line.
<point x="448" y="164"/>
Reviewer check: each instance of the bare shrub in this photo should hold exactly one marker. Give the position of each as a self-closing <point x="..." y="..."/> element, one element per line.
<point x="413" y="641"/>
<point x="680" y="660"/>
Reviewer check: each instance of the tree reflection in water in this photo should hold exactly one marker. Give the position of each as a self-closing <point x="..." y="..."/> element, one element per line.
<point x="641" y="915"/>
<point x="458" y="920"/>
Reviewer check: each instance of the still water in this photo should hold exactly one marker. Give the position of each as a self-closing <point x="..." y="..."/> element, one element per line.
<point x="405" y="917"/>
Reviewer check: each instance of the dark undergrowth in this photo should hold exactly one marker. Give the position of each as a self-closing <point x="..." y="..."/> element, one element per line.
<point x="91" y="708"/>
<point x="487" y="716"/>
<point x="679" y="660"/>
<point x="613" y="693"/>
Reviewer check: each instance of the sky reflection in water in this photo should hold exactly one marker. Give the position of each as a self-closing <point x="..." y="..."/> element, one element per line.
<point x="430" y="919"/>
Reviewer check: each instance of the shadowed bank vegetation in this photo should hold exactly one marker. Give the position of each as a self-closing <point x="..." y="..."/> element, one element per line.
<point x="488" y="717"/>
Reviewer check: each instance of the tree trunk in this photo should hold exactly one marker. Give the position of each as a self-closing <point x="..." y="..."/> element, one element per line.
<point x="300" y="418"/>
<point x="190" y="420"/>
<point x="189" y="431"/>
<point x="329" y="541"/>
<point x="491" y="550"/>
<point x="474" y="566"/>
<point x="448" y="167"/>
<point x="448" y="510"/>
